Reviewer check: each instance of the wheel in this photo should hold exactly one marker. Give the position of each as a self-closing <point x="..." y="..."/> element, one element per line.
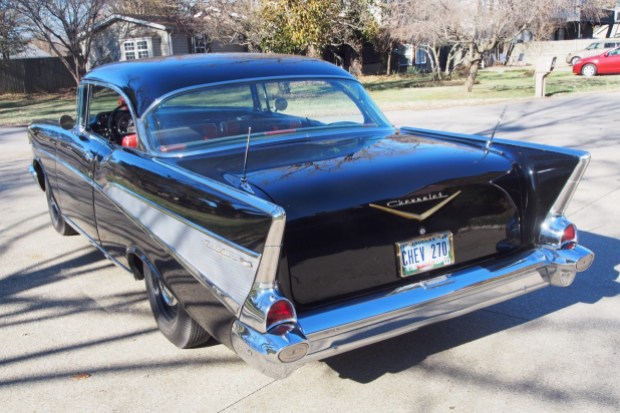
<point x="588" y="70"/>
<point x="574" y="60"/>
<point x="172" y="320"/>
<point x="58" y="221"/>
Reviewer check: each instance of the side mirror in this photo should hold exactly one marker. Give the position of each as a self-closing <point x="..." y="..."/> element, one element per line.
<point x="66" y="122"/>
<point x="281" y="104"/>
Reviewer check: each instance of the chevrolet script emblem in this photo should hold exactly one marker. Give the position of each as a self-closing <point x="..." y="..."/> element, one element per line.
<point x="409" y="215"/>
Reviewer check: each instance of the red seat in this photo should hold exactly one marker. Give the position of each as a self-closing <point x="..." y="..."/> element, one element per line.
<point x="130" y="141"/>
<point x="211" y="131"/>
<point x="231" y="127"/>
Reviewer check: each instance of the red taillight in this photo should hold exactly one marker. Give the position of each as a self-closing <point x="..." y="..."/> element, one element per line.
<point x="279" y="312"/>
<point x="569" y="237"/>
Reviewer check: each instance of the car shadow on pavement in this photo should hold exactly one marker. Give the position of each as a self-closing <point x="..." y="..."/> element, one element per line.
<point x="408" y="351"/>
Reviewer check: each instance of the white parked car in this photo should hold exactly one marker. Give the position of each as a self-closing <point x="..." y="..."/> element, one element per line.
<point x="593" y="49"/>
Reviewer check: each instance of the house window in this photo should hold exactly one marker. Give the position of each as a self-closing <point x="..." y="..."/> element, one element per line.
<point x="137" y="49"/>
<point x="200" y="43"/>
<point x="421" y="55"/>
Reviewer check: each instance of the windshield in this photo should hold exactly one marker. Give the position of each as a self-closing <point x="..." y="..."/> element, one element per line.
<point x="226" y="114"/>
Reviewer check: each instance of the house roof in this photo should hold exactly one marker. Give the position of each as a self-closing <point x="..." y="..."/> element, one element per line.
<point x="155" y="22"/>
<point x="31" y="51"/>
<point x="144" y="81"/>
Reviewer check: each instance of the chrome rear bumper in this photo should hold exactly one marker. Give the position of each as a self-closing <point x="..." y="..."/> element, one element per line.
<point x="353" y="324"/>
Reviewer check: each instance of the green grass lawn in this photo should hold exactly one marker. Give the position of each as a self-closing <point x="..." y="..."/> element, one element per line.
<point x="20" y="110"/>
<point x="406" y="92"/>
<point x="390" y="92"/>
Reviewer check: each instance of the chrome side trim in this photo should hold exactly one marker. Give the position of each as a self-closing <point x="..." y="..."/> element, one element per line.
<point x="560" y="204"/>
<point x="271" y="254"/>
<point x="96" y="244"/>
<point x="252" y="312"/>
<point x="228" y="268"/>
<point x="218" y="277"/>
<point x="347" y="326"/>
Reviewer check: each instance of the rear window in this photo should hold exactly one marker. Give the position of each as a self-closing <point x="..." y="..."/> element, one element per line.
<point x="227" y="114"/>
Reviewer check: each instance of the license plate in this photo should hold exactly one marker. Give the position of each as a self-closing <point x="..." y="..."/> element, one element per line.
<point x="425" y="253"/>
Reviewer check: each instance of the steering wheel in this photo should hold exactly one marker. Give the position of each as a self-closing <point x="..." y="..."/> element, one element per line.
<point x="119" y="122"/>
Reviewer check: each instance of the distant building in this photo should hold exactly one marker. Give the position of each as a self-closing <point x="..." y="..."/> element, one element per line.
<point x="131" y="37"/>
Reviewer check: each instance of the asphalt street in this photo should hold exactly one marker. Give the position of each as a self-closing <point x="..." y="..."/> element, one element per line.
<point x="76" y="333"/>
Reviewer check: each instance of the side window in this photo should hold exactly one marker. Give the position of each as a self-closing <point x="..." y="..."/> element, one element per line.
<point x="608" y="45"/>
<point x="109" y="115"/>
<point x="313" y="99"/>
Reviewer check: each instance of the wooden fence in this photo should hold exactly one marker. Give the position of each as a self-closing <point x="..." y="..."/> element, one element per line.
<point x="36" y="75"/>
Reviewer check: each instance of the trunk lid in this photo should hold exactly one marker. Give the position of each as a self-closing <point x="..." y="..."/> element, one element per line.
<point x="350" y="200"/>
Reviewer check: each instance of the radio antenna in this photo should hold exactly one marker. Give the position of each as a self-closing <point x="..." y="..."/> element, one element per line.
<point x="499" y="122"/>
<point x="244" y="178"/>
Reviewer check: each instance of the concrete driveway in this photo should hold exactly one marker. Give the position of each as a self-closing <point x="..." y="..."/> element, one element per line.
<point x="76" y="334"/>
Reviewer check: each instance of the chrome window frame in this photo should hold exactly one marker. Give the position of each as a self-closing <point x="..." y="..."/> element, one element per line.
<point x="82" y="127"/>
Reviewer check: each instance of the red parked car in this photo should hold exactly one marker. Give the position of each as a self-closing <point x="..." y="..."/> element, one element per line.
<point x="604" y="64"/>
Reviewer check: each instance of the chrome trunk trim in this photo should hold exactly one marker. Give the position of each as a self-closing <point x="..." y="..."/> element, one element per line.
<point x="357" y="323"/>
<point x="562" y="201"/>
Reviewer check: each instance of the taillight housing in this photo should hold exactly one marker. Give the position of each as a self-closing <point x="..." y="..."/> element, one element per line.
<point x="280" y="312"/>
<point x="559" y="233"/>
<point x="569" y="237"/>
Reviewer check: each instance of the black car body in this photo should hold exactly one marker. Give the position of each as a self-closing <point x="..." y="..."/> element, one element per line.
<point x="268" y="203"/>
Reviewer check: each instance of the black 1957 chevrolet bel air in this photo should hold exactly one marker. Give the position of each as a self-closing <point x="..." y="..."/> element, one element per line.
<point x="268" y="203"/>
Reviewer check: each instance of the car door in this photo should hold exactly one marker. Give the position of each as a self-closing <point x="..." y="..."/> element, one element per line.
<point x="610" y="63"/>
<point x="76" y="153"/>
<point x="113" y="122"/>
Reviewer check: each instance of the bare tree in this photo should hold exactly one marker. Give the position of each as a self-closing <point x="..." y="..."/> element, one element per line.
<point x="230" y="21"/>
<point x="66" y="25"/>
<point x="385" y="43"/>
<point x="476" y="27"/>
<point x="184" y="13"/>
<point x="12" y="40"/>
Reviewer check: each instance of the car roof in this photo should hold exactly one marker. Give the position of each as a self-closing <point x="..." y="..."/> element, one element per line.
<point x="144" y="81"/>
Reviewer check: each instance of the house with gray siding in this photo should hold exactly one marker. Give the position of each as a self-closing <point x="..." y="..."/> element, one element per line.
<point x="130" y="37"/>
